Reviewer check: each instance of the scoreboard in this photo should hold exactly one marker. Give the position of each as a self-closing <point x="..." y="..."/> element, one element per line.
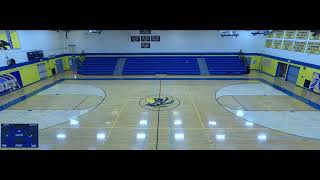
<point x="19" y="136"/>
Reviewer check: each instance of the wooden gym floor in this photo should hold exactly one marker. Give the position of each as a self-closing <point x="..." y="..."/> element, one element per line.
<point x="205" y="114"/>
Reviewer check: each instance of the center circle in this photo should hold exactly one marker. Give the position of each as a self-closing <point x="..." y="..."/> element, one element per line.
<point x="161" y="103"/>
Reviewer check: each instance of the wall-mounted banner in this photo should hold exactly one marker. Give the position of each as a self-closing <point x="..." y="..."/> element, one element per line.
<point x="145" y="31"/>
<point x="277" y="44"/>
<point x="299" y="46"/>
<point x="314" y="37"/>
<point x="10" y="82"/>
<point x="289" y="34"/>
<point x="302" y="35"/>
<point x="287" y="45"/>
<point x="279" y="34"/>
<point x="313" y="48"/>
<point x="315" y="84"/>
<point x="145" y="45"/>
<point x="268" y="43"/>
<point x="135" y="38"/>
<point x="145" y="38"/>
<point x="155" y="38"/>
<point x="270" y="35"/>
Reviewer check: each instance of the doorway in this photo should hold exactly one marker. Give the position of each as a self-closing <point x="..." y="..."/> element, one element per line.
<point x="292" y="74"/>
<point x="282" y="70"/>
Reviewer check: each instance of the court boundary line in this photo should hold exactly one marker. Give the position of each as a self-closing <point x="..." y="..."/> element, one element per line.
<point x="158" y="122"/>
<point x="239" y="103"/>
<point x="26" y="96"/>
<point x="289" y="93"/>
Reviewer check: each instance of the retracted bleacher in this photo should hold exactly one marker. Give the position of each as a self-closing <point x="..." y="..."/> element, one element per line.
<point x="225" y="65"/>
<point x="161" y="65"/>
<point x="171" y="65"/>
<point x="98" y="66"/>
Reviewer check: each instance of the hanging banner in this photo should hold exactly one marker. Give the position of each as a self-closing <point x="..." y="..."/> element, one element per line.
<point x="299" y="46"/>
<point x="287" y="45"/>
<point x="302" y="35"/>
<point x="3" y="36"/>
<point x="277" y="44"/>
<point x="270" y="35"/>
<point x="10" y="82"/>
<point x="14" y="39"/>
<point x="314" y="37"/>
<point x="315" y="83"/>
<point x="313" y="48"/>
<point x="10" y="37"/>
<point x="268" y="43"/>
<point x="289" y="34"/>
<point x="279" y="34"/>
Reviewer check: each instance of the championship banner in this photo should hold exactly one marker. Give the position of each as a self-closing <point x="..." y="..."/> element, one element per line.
<point x="270" y="35"/>
<point x="289" y="34"/>
<point x="10" y="82"/>
<point x="313" y="48"/>
<point x="268" y="43"/>
<point x="299" y="46"/>
<point x="314" y="37"/>
<point x="315" y="85"/>
<point x="302" y="35"/>
<point x="287" y="45"/>
<point x="279" y="34"/>
<point x="277" y="44"/>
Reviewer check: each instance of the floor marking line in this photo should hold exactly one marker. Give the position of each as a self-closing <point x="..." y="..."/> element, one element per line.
<point x="240" y="103"/>
<point x="117" y="119"/>
<point x="173" y="128"/>
<point x="160" y="89"/>
<point x="157" y="140"/>
<point x="81" y="102"/>
<point x="195" y="108"/>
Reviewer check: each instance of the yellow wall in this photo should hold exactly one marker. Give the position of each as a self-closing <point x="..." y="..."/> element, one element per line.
<point x="50" y="64"/>
<point x="305" y="73"/>
<point x="66" y="64"/>
<point x="269" y="65"/>
<point x="15" y="39"/>
<point x="255" y="62"/>
<point x="30" y="74"/>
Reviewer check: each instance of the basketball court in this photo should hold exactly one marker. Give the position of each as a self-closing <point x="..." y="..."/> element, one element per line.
<point x="166" y="113"/>
<point x="160" y="90"/>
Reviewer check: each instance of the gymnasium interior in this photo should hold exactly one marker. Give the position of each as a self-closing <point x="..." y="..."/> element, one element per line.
<point x="160" y="89"/>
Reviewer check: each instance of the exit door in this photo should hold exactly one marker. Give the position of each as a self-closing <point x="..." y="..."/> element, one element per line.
<point x="59" y="66"/>
<point x="292" y="74"/>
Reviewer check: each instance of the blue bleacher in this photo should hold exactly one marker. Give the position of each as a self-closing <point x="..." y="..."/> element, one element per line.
<point x="171" y="65"/>
<point x="98" y="66"/>
<point x="225" y="65"/>
<point x="161" y="65"/>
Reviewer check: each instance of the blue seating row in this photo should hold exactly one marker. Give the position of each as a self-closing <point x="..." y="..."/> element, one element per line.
<point x="171" y="65"/>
